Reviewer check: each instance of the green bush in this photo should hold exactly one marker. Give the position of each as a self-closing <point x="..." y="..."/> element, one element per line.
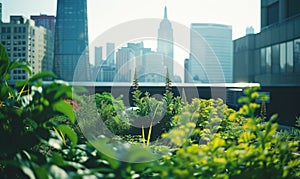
<point x="256" y="152"/>
<point x="40" y="138"/>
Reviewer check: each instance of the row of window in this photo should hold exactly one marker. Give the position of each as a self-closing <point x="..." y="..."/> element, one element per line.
<point x="14" y="37"/>
<point x="16" y="55"/>
<point x="16" y="49"/>
<point x="19" y="71"/>
<point x="14" y="29"/>
<point x="14" y="42"/>
<point x="23" y="77"/>
<point x="280" y="58"/>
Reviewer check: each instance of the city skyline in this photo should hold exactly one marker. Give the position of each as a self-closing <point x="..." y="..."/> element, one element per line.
<point x="240" y="14"/>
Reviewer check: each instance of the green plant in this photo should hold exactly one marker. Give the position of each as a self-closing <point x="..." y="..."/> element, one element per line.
<point x="256" y="153"/>
<point x="25" y="120"/>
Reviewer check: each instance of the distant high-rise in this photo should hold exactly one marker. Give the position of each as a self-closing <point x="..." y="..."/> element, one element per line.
<point x="98" y="56"/>
<point x="165" y="42"/>
<point x="44" y="20"/>
<point x="0" y="12"/>
<point x="125" y="64"/>
<point x="110" y="53"/>
<point x="132" y="59"/>
<point x="249" y="30"/>
<point x="71" y="41"/>
<point x="47" y="22"/>
<point x="26" y="42"/>
<point x="211" y="59"/>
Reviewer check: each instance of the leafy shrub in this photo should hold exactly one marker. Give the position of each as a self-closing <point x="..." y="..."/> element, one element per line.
<point x="255" y="153"/>
<point x="25" y="120"/>
<point x="102" y="113"/>
<point x="38" y="136"/>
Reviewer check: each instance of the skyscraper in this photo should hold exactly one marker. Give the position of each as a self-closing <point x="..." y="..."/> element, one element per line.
<point x="132" y="59"/>
<point x="47" y="22"/>
<point x="165" y="42"/>
<point x="44" y="20"/>
<point x="110" y="53"/>
<point x="211" y="53"/>
<point x="0" y="11"/>
<point x="26" y="42"/>
<point x="125" y="64"/>
<point x="98" y="56"/>
<point x="71" y="41"/>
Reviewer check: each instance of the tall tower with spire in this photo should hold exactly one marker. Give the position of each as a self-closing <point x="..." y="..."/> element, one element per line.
<point x="71" y="61"/>
<point x="165" y="42"/>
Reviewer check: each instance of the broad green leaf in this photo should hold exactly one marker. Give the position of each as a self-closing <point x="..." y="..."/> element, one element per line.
<point x="68" y="131"/>
<point x="4" y="60"/>
<point x="61" y="91"/>
<point x="65" y="108"/>
<point x="57" y="159"/>
<point x="41" y="172"/>
<point x="20" y="83"/>
<point x="42" y="75"/>
<point x="22" y="65"/>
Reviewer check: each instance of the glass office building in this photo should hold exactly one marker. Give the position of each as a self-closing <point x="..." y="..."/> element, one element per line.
<point x="273" y="55"/>
<point x="210" y="53"/>
<point x="71" y="41"/>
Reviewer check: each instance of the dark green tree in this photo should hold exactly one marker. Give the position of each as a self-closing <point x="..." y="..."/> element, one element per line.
<point x="168" y="82"/>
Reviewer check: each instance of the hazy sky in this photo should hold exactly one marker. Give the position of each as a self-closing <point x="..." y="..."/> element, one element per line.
<point x="105" y="14"/>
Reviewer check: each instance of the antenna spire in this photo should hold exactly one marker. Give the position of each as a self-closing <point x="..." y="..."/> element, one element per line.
<point x="165" y="14"/>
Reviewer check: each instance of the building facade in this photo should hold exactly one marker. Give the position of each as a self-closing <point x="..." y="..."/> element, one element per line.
<point x="125" y="64"/>
<point x="273" y="55"/>
<point x="24" y="41"/>
<point x="110" y="53"/>
<point x="211" y="54"/>
<point x="105" y="73"/>
<point x="44" y="20"/>
<point x="165" y="43"/>
<point x="49" y="23"/>
<point x="133" y="58"/>
<point x="98" y="56"/>
<point x="71" y="41"/>
<point x="0" y="12"/>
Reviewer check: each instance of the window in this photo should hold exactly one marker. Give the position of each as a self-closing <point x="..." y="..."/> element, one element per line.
<point x="290" y="57"/>
<point x="263" y="60"/>
<point x="293" y="7"/>
<point x="268" y="59"/>
<point x="3" y="30"/>
<point x="275" y="59"/>
<point x="273" y="15"/>
<point x="297" y="55"/>
<point x="283" y="58"/>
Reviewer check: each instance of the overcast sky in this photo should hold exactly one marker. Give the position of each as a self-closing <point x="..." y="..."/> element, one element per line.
<point x="106" y="14"/>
